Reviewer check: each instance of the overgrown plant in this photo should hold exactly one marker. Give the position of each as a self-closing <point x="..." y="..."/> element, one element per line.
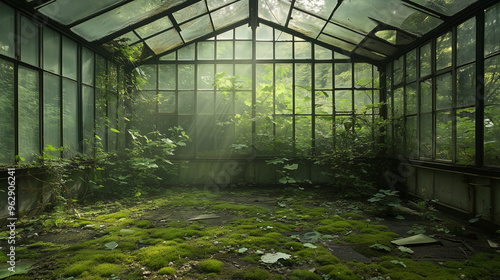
<point x="385" y="202"/>
<point x="142" y="166"/>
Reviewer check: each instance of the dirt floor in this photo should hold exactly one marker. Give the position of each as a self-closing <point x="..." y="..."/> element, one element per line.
<point x="231" y="234"/>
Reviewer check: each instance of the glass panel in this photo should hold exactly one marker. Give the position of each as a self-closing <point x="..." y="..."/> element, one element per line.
<point x="190" y="12"/>
<point x="303" y="140"/>
<point x="443" y="91"/>
<point x="425" y="60"/>
<point x="87" y="67"/>
<point x="154" y="27"/>
<point x="411" y="137"/>
<point x="323" y="134"/>
<point x="67" y="12"/>
<point x="264" y="33"/>
<point x="228" y="35"/>
<point x="411" y="99"/>
<point x="29" y="42"/>
<point x="320" y="8"/>
<point x="70" y="56"/>
<point x="274" y="10"/>
<point x="205" y="76"/>
<point x="426" y="96"/>
<point x="231" y="14"/>
<point x="443" y="135"/>
<point x="398" y="102"/>
<point x="343" y="101"/>
<point x="167" y="76"/>
<point x="306" y="24"/>
<point x="363" y="75"/>
<point x="243" y="118"/>
<point x="492" y="111"/>
<point x="166" y="102"/>
<point x="28" y="114"/>
<point x="186" y="103"/>
<point x="302" y="50"/>
<point x="206" y="50"/>
<point x="70" y="117"/>
<point x="362" y="99"/>
<point x="324" y="102"/>
<point x="148" y="74"/>
<point x="448" y="8"/>
<point x="303" y="96"/>
<point x="243" y="32"/>
<point x="283" y="89"/>
<point x="343" y="75"/>
<point x="196" y="28"/>
<point x="343" y="33"/>
<point x="169" y="57"/>
<point x="264" y="89"/>
<point x="426" y="136"/>
<point x="88" y="119"/>
<point x="466" y="42"/>
<point x="264" y="50"/>
<point x="411" y="66"/>
<point x="186" y="76"/>
<point x="164" y="41"/>
<point x="466" y="85"/>
<point x="243" y="50"/>
<point x="51" y="50"/>
<point x="466" y="135"/>
<point x="7" y="25"/>
<point x="283" y="50"/>
<point x="491" y="30"/>
<point x="358" y="15"/>
<point x="225" y="50"/>
<point x="7" y="125"/>
<point x="204" y="138"/>
<point x="186" y="53"/>
<point x="443" y="51"/>
<point x="284" y="134"/>
<point x="398" y="70"/>
<point x="348" y="47"/>
<point x="120" y="17"/>
<point x="226" y="68"/>
<point x="243" y="76"/>
<point x="323" y="76"/>
<point x="322" y="52"/>
<point x="51" y="110"/>
<point x="127" y="38"/>
<point x="224" y="102"/>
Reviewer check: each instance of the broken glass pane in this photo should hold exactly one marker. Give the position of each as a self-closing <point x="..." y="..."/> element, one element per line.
<point x="67" y="12"/>
<point x="190" y="12"/>
<point x="196" y="28"/>
<point x="230" y="14"/>
<point x="154" y="27"/>
<point x="336" y="42"/>
<point x="121" y="17"/>
<point x="306" y="24"/>
<point x="343" y="33"/>
<point x="274" y="10"/>
<point x="449" y="7"/>
<point x="164" y="41"/>
<point x="322" y="8"/>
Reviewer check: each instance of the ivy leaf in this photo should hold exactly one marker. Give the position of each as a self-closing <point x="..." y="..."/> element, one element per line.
<point x="380" y="247"/>
<point x="291" y="166"/>
<point x="115" y="130"/>
<point x="405" y="249"/>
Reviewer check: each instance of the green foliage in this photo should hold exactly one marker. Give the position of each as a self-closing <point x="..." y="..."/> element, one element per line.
<point x="211" y="266"/>
<point x="385" y="201"/>
<point x="167" y="271"/>
<point x="139" y="168"/>
<point x="300" y="274"/>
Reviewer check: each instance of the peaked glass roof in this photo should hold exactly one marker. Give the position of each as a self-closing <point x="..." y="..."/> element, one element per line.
<point x="369" y="29"/>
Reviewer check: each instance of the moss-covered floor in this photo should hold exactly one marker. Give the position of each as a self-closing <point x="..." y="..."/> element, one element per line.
<point x="324" y="237"/>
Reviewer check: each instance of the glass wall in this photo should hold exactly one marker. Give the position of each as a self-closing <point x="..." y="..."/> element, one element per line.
<point x="293" y="97"/>
<point x="55" y="108"/>
<point x="433" y="109"/>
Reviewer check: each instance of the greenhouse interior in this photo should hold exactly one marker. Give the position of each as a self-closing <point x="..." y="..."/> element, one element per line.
<point x="250" y="139"/>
